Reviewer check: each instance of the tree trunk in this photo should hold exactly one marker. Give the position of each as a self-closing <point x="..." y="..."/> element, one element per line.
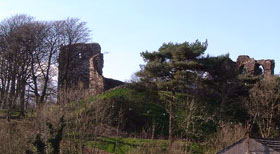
<point x="153" y="130"/>
<point x="22" y="94"/>
<point x="11" y="97"/>
<point x="170" y="127"/>
<point x="170" y="131"/>
<point x="6" y="94"/>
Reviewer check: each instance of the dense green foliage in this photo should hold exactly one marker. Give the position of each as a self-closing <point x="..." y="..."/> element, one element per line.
<point x="174" y="66"/>
<point x="140" y="109"/>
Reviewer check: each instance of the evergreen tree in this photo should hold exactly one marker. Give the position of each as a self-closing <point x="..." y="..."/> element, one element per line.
<point x="223" y="90"/>
<point x="174" y="68"/>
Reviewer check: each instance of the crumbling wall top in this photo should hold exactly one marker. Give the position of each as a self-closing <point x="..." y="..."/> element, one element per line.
<point x="248" y="65"/>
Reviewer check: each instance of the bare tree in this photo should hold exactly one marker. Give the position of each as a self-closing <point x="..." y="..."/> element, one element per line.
<point x="263" y="105"/>
<point x="15" y="61"/>
<point x="57" y="33"/>
<point x="74" y="31"/>
<point x="28" y="56"/>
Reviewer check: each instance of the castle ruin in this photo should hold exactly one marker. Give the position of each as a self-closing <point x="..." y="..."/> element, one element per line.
<point x="250" y="66"/>
<point x="82" y="63"/>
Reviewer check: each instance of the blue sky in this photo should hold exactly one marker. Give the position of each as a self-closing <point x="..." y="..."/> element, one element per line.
<point x="124" y="28"/>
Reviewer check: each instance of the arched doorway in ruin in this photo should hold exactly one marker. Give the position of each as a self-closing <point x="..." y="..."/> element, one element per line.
<point x="259" y="70"/>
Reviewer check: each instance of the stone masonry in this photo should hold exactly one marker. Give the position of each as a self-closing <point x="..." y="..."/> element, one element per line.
<point x="248" y="65"/>
<point x="82" y="64"/>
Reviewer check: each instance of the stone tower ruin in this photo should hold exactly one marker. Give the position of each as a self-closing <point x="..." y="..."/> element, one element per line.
<point x="82" y="64"/>
<point x="250" y="66"/>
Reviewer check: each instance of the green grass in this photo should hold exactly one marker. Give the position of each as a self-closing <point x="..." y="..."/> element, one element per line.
<point x="130" y="145"/>
<point x="115" y="93"/>
<point x="28" y="114"/>
<point x="124" y="145"/>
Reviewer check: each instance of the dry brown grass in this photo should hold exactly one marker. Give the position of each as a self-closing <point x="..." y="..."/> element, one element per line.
<point x="226" y="135"/>
<point x="15" y="135"/>
<point x="75" y="94"/>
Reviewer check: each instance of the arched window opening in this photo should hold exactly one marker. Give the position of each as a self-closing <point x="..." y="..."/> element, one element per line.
<point x="242" y="69"/>
<point x="259" y="70"/>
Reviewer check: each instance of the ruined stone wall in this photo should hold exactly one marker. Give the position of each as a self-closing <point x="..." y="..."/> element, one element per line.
<point x="82" y="64"/>
<point x="268" y="66"/>
<point x="96" y="80"/>
<point x="111" y="83"/>
<point x="248" y="65"/>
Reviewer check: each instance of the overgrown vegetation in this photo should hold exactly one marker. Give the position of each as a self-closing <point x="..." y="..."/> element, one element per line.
<point x="181" y="101"/>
